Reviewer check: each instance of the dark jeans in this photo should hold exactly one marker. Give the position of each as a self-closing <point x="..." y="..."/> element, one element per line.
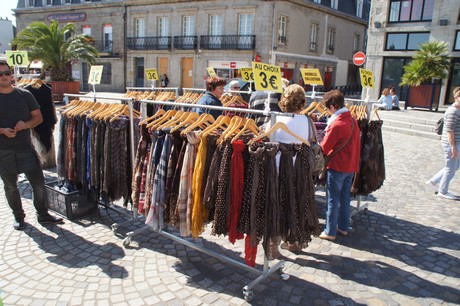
<point x="37" y="181"/>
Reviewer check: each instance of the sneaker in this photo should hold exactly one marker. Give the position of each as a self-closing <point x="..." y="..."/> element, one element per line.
<point x="448" y="196"/>
<point x="325" y="236"/>
<point x="431" y="185"/>
<point x="49" y="219"/>
<point x="19" y="224"/>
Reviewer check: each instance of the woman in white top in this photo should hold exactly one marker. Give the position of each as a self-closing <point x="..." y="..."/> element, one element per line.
<point x="385" y="101"/>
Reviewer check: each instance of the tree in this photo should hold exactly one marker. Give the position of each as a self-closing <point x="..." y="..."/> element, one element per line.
<point x="56" y="47"/>
<point x="429" y="64"/>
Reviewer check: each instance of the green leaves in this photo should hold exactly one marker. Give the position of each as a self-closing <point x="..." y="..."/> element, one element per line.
<point x="429" y="64"/>
<point x="55" y="46"/>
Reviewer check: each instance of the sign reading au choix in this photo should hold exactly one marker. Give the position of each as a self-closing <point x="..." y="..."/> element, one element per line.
<point x="267" y="77"/>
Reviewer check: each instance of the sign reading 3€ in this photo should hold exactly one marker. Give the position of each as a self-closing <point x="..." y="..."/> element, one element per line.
<point x="267" y="77"/>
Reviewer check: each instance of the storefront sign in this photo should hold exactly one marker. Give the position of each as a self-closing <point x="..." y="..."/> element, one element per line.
<point x="17" y="58"/>
<point x="311" y="76"/>
<point x="232" y="65"/>
<point x="267" y="77"/>
<point x="95" y="75"/>
<point x="71" y="17"/>
<point x="151" y="74"/>
<point x="286" y="65"/>
<point x="228" y="64"/>
<point x="247" y="75"/>
<point x="367" y="78"/>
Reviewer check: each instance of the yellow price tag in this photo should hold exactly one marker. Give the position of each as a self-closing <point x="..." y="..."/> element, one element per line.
<point x="267" y="77"/>
<point x="95" y="75"/>
<point x="152" y="74"/>
<point x="247" y="75"/>
<point x="311" y="76"/>
<point x="367" y="78"/>
<point x="211" y="72"/>
<point x="17" y="58"/>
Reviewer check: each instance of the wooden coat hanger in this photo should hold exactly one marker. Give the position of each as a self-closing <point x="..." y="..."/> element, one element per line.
<point x="222" y="122"/>
<point x="189" y="120"/>
<point x="235" y="123"/>
<point x="251" y="126"/>
<point x="311" y="106"/>
<point x="160" y="112"/>
<point x="204" y="121"/>
<point x="172" y="121"/>
<point x="278" y="126"/>
<point x="375" y="112"/>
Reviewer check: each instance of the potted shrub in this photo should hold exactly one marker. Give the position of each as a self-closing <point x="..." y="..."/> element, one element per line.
<point x="424" y="74"/>
<point x="56" y="47"/>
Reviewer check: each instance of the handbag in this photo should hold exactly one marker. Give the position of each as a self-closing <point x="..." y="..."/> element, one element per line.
<point x="321" y="181"/>
<point x="318" y="157"/>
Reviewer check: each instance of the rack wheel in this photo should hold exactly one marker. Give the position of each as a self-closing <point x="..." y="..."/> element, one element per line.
<point x="126" y="242"/>
<point x="248" y="295"/>
<point x="284" y="276"/>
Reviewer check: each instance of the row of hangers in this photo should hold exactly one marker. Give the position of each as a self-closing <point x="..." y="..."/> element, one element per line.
<point x="190" y="97"/>
<point x="96" y="110"/>
<point x="158" y="95"/>
<point x="231" y="128"/>
<point x="34" y="82"/>
<point x="233" y="100"/>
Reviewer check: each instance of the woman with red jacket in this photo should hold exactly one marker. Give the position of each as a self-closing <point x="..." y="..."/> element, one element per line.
<point x="342" y="144"/>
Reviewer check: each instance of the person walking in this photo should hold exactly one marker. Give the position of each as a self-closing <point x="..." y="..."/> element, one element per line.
<point x="20" y="112"/>
<point x="164" y="80"/>
<point x="450" y="142"/>
<point x="342" y="144"/>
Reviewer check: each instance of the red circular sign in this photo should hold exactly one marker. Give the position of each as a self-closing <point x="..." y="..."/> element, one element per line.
<point x="359" y="58"/>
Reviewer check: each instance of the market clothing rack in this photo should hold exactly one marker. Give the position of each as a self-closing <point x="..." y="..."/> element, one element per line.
<point x="129" y="101"/>
<point x="267" y="271"/>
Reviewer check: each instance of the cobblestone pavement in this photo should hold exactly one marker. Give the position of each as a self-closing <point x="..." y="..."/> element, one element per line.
<point x="404" y="250"/>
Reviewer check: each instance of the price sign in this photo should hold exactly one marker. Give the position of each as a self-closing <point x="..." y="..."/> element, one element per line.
<point x="311" y="76"/>
<point x="95" y="75"/>
<point x="367" y="78"/>
<point x="267" y="77"/>
<point x="152" y="74"/>
<point x="247" y="75"/>
<point x="17" y="58"/>
<point x="211" y="72"/>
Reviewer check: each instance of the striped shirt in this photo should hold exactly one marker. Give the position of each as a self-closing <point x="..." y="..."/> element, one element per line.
<point x="451" y="123"/>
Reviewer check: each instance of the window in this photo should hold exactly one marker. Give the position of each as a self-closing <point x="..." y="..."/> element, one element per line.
<point x="29" y="3"/>
<point x="68" y="1"/>
<point x="86" y="30"/>
<point x="317" y="1"/>
<point x="140" y="27"/>
<point x="106" y="77"/>
<point x="163" y="26"/>
<point x="335" y="4"/>
<point x="282" y="32"/>
<point x="107" y="39"/>
<point x="411" y="10"/>
<point x="188" y="26"/>
<point x="356" y="45"/>
<point x="359" y="9"/>
<point x="313" y="36"/>
<point x="457" y="41"/>
<point x="215" y="25"/>
<point x="245" y="24"/>
<point x="49" y="2"/>
<point x="405" y="41"/>
<point x="330" y="40"/>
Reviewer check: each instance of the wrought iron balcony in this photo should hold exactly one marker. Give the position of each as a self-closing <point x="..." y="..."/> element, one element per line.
<point x="149" y="43"/>
<point x="104" y="46"/>
<point x="186" y="42"/>
<point x="228" y="42"/>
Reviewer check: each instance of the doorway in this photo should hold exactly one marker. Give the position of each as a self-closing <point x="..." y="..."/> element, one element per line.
<point x="139" y="71"/>
<point x="187" y="72"/>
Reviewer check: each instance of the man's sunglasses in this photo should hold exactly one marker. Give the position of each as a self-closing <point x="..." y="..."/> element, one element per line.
<point x="5" y="73"/>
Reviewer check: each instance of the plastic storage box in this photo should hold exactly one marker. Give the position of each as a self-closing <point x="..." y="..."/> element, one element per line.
<point x="70" y="204"/>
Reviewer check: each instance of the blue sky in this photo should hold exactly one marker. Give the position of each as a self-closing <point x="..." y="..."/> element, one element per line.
<point x="5" y="9"/>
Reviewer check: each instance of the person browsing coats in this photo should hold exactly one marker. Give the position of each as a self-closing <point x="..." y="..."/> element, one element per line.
<point x="342" y="144"/>
<point x="214" y="90"/>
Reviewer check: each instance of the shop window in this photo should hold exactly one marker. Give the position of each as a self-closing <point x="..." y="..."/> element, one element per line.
<point x="411" y="10"/>
<point x="405" y="41"/>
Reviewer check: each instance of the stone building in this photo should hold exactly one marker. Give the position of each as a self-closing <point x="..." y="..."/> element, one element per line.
<point x="183" y="38"/>
<point x="397" y="27"/>
<point x="6" y="34"/>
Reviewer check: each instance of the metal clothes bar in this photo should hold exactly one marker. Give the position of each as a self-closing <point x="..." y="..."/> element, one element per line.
<point x="131" y="128"/>
<point x="267" y="271"/>
<point x="176" y="89"/>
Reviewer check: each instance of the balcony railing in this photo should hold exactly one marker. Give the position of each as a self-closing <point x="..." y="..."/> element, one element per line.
<point x="228" y="42"/>
<point x="104" y="46"/>
<point x="149" y="43"/>
<point x="186" y="42"/>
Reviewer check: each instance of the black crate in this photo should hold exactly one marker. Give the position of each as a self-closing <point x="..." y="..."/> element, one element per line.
<point x="71" y="204"/>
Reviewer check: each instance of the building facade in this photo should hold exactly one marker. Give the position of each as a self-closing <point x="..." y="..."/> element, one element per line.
<point x="6" y="34"/>
<point x="183" y="38"/>
<point x="397" y="27"/>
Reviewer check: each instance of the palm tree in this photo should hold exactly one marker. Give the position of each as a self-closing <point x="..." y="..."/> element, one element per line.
<point x="429" y="64"/>
<point x="56" y="47"/>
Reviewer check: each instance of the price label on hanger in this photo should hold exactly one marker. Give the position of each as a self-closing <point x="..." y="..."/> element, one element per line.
<point x="247" y="75"/>
<point x="211" y="72"/>
<point x="17" y="58"/>
<point x="311" y="76"/>
<point x="95" y="75"/>
<point x="267" y="77"/>
<point x="367" y="78"/>
<point x="152" y="74"/>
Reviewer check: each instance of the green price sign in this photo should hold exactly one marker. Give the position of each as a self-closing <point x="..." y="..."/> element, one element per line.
<point x="17" y="58"/>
